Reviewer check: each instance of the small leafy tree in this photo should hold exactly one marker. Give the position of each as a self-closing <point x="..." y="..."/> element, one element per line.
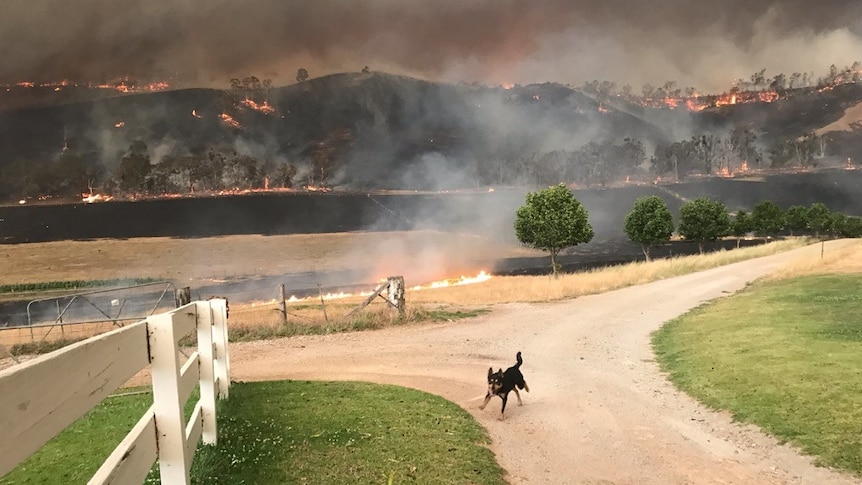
<point x="837" y="220"/>
<point x="301" y="75"/>
<point x="819" y="218"/>
<point x="552" y="220"/>
<point x="741" y="226"/>
<point x="767" y="219"/>
<point x="796" y="219"/>
<point x="650" y="222"/>
<point x="852" y="227"/>
<point x="703" y="220"/>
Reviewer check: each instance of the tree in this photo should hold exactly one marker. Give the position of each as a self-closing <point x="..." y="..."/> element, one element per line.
<point x="852" y="227"/>
<point x="767" y="219"/>
<point x="703" y="220"/>
<point x="553" y="220"/>
<point x="650" y="222"/>
<point x="301" y="75"/>
<point x="837" y="220"/>
<point x="741" y="226"/>
<point x="134" y="167"/>
<point x="796" y="219"/>
<point x="818" y="218"/>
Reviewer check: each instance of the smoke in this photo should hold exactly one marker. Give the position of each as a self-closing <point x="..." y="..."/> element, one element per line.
<point x="198" y="42"/>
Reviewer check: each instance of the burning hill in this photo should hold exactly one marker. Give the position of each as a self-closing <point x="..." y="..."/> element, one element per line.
<point x="366" y="131"/>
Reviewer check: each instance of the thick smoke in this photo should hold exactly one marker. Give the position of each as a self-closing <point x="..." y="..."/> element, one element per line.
<point x="206" y="42"/>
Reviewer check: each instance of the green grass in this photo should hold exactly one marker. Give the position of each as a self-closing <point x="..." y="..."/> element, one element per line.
<point x="785" y="355"/>
<point x="75" y="454"/>
<point x="294" y="432"/>
<point x="323" y="432"/>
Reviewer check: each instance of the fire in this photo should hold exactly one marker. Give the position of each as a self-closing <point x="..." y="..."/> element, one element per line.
<point x="228" y="119"/>
<point x="314" y="188"/>
<point x="91" y="198"/>
<point x="463" y="280"/>
<point x="264" y="108"/>
<point x="195" y="114"/>
<point x="671" y="103"/>
<point x="602" y="109"/>
<point x="767" y="96"/>
<point x="119" y="124"/>
<point x="26" y="84"/>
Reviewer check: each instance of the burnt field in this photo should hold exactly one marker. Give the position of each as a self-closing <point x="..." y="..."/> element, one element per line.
<point x="488" y="215"/>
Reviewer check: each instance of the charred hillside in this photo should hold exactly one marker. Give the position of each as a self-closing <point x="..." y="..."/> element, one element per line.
<point x="379" y="131"/>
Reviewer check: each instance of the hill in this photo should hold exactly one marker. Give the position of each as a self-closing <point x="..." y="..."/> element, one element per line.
<point x="381" y="131"/>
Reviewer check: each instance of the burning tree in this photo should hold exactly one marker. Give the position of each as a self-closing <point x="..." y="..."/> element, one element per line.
<point x="553" y="220"/>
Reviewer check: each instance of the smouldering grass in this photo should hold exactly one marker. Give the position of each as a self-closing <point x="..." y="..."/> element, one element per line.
<point x="785" y="355"/>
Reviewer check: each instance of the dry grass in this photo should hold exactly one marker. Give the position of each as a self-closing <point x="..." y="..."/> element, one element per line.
<point x="431" y="255"/>
<point x="571" y="285"/>
<point x="443" y="303"/>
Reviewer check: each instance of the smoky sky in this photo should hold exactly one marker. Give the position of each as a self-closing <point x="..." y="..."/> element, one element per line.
<point x="705" y="44"/>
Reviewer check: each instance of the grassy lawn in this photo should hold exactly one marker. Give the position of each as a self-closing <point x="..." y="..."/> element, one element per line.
<point x="785" y="355"/>
<point x="296" y="432"/>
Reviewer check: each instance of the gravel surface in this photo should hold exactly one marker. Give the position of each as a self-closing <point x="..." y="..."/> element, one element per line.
<point x="599" y="411"/>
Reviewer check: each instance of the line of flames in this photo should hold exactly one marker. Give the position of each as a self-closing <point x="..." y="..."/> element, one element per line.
<point x="446" y="283"/>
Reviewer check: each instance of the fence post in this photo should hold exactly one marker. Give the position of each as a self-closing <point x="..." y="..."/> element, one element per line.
<point x="396" y="294"/>
<point x="282" y="306"/>
<point x="170" y="423"/>
<point x="204" y="322"/>
<point x="183" y="296"/>
<point x="222" y="357"/>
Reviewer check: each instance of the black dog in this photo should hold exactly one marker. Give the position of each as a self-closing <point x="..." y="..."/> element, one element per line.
<point x="501" y="383"/>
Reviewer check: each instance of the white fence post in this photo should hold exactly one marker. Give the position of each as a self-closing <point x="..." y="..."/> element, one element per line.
<point x="222" y="357"/>
<point x="207" y="377"/>
<point x="167" y="405"/>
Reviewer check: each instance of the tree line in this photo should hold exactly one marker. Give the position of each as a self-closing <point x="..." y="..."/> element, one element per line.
<point x="553" y="220"/>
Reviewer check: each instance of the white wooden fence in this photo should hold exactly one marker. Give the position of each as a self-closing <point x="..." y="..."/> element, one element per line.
<point x="41" y="397"/>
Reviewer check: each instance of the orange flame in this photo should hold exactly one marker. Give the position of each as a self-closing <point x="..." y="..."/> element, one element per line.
<point x="229" y="120"/>
<point x="264" y="108"/>
<point x="119" y="124"/>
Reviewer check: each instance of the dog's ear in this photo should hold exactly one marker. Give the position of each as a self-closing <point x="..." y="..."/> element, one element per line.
<point x="500" y="371"/>
<point x="490" y="371"/>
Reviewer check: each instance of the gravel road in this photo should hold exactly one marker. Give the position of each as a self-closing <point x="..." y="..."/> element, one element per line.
<point x="599" y="410"/>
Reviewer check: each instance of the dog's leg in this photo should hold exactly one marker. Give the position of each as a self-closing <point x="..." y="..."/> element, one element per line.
<point x="503" y="409"/>
<point x="526" y="387"/>
<point x="487" y="398"/>
<point x="518" y="396"/>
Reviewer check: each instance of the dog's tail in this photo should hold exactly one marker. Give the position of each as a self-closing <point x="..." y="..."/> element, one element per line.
<point x="519" y="360"/>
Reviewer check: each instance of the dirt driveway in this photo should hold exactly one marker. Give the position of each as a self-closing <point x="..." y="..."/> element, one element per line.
<point x="599" y="410"/>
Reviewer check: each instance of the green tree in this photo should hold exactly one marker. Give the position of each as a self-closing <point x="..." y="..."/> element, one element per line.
<point x="796" y="219"/>
<point x="837" y="221"/>
<point x="852" y="227"/>
<point x="650" y="222"/>
<point x="767" y="219"/>
<point x="703" y="220"/>
<point x="552" y="220"/>
<point x="741" y="226"/>
<point x="819" y="218"/>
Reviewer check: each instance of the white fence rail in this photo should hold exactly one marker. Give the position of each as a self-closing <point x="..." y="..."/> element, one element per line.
<point x="41" y="397"/>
